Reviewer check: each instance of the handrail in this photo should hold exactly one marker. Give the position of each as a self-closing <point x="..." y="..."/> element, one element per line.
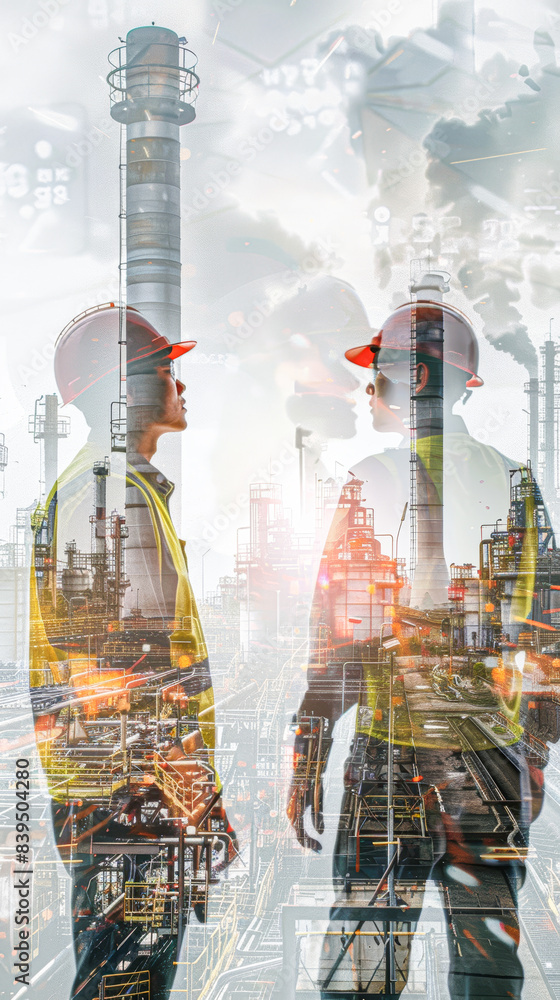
<point x="189" y="81"/>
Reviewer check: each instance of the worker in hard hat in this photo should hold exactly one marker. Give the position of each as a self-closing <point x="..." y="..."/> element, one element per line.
<point x="475" y="475"/>
<point x="446" y="741"/>
<point x="123" y="635"/>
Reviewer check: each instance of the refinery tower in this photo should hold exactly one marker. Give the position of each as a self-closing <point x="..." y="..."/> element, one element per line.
<point x="153" y="88"/>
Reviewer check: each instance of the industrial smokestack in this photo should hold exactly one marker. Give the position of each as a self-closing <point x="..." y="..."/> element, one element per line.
<point x="100" y="472"/>
<point x="51" y="442"/>
<point x="152" y="89"/>
<point x="46" y="426"/>
<point x="431" y="577"/>
<point x="99" y="521"/>
<point x="532" y="391"/>
<point x="549" y="352"/>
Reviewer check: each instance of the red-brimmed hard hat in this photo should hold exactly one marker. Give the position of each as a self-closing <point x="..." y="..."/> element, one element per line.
<point x="88" y="348"/>
<point x="460" y="347"/>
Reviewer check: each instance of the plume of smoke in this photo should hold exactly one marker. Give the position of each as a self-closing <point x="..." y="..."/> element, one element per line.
<point x="466" y="165"/>
<point x="493" y="289"/>
<point x="489" y="189"/>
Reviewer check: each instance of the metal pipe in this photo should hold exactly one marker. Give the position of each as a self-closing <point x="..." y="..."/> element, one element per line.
<point x="118" y="533"/>
<point x="549" y="351"/>
<point x="158" y="714"/>
<point x="403" y="515"/>
<point x="335" y="914"/>
<point x="390" y="967"/>
<point x="390" y="787"/>
<point x="386" y="534"/>
<point x="181" y="884"/>
<point x="124" y="720"/>
<point x="170" y="864"/>
<point x="533" y="394"/>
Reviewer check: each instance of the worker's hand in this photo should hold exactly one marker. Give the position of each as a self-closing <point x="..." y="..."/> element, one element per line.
<point x="301" y="796"/>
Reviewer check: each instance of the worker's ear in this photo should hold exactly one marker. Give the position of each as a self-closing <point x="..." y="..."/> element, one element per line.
<point x="422" y="374"/>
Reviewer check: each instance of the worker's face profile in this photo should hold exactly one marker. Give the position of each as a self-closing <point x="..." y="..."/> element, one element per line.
<point x="157" y="397"/>
<point x="388" y="391"/>
<point x="171" y="410"/>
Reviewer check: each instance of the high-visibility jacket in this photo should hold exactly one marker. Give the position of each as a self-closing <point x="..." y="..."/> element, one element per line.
<point x="425" y="713"/>
<point x="54" y="669"/>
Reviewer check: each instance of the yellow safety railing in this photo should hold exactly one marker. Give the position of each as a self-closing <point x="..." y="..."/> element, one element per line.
<point x="187" y="796"/>
<point x="265" y="889"/>
<point x="84" y="776"/>
<point x="36" y="927"/>
<point x="148" y="903"/>
<point x="195" y="978"/>
<point x="125" y="984"/>
<point x="244" y="900"/>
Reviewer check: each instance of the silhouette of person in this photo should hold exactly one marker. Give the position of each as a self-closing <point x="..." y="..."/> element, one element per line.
<point x="443" y="778"/>
<point x="120" y="681"/>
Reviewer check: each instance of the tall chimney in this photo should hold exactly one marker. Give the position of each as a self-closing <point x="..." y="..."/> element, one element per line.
<point x="532" y="391"/>
<point x="549" y="351"/>
<point x="152" y="89"/>
<point x="431" y="577"/>
<point x="46" y="426"/>
<point x="99" y="550"/>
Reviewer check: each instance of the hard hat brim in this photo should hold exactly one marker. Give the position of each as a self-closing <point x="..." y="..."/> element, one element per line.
<point x="460" y="347"/>
<point x="177" y="350"/>
<point x="363" y="356"/>
<point x="86" y="350"/>
<point x="168" y="352"/>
